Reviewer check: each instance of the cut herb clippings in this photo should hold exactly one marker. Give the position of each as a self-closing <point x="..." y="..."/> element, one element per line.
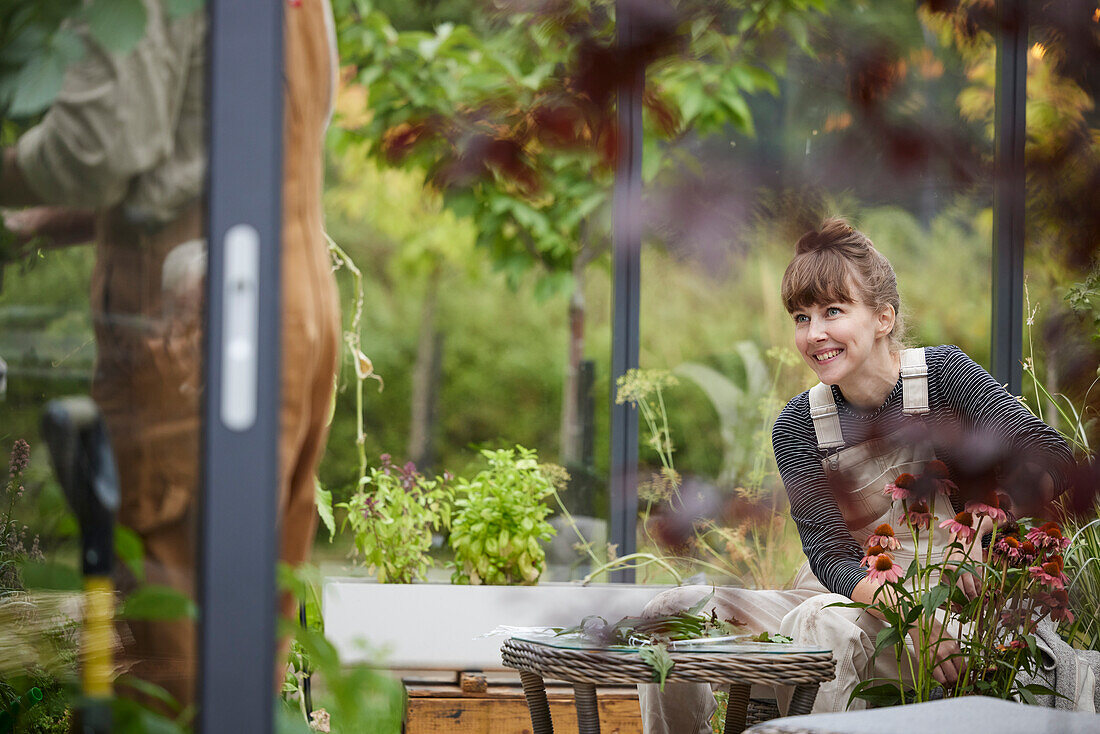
<point x="652" y="634"/>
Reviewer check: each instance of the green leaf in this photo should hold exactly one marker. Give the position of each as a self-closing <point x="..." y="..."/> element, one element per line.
<point x="117" y="24"/>
<point x="151" y="690"/>
<point x="323" y="499"/>
<point x="935" y="598"/>
<point x="37" y="83"/>
<point x="883" y="694"/>
<point x="1038" y="689"/>
<point x="68" y="46"/>
<point x="129" y="715"/>
<point x="848" y="604"/>
<point x="658" y="658"/>
<point x="886" y="638"/>
<point x="67" y="527"/>
<point x="24" y="44"/>
<point x="128" y="548"/>
<point x="156" y="602"/>
<point x="1032" y="647"/>
<point x="698" y="606"/>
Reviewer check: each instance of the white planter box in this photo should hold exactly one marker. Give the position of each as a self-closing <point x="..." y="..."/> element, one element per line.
<point x="434" y="626"/>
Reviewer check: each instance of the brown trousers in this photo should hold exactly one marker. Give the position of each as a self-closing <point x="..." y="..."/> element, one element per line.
<point x="148" y="366"/>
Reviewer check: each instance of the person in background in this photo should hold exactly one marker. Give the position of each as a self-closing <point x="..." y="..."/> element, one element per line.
<point x="879" y="410"/>
<point x="119" y="159"/>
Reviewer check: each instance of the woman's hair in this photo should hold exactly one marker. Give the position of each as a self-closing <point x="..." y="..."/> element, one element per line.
<point x="831" y="262"/>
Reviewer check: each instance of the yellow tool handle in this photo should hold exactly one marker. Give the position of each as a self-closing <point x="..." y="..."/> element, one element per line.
<point x="99" y="612"/>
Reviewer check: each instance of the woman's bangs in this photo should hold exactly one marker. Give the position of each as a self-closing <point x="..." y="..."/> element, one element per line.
<point x="813" y="280"/>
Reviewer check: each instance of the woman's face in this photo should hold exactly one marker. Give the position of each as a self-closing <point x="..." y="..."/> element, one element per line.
<point x="837" y="340"/>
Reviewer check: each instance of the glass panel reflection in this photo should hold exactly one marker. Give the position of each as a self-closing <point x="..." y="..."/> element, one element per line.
<point x="105" y="262"/>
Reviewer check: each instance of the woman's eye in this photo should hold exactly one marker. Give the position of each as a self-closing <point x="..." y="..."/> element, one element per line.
<point x="801" y="318"/>
<point x="832" y="311"/>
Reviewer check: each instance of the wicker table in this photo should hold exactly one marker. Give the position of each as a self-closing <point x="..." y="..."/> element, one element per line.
<point x="739" y="665"/>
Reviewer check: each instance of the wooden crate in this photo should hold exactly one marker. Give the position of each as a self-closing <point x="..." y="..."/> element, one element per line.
<point x="443" y="707"/>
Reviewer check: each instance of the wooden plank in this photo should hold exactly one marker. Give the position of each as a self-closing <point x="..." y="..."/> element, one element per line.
<point x="558" y="692"/>
<point x="473" y="715"/>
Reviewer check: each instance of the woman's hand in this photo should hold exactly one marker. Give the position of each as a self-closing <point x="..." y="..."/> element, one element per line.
<point x="60" y="226"/>
<point x="946" y="653"/>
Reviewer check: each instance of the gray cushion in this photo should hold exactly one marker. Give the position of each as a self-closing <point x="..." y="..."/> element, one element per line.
<point x="967" y="715"/>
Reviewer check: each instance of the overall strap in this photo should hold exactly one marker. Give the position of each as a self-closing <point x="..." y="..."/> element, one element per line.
<point x="914" y="382"/>
<point x="826" y="420"/>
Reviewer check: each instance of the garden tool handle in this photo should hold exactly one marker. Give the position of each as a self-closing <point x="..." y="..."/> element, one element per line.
<point x="85" y="467"/>
<point x="99" y="612"/>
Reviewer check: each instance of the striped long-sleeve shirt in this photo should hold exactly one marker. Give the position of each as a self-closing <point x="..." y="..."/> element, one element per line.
<point x="974" y="423"/>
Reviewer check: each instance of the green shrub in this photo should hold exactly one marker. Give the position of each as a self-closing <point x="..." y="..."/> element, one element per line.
<point x="499" y="519"/>
<point x="392" y="516"/>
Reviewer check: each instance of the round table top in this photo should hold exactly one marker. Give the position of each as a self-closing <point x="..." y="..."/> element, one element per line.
<point x="731" y="645"/>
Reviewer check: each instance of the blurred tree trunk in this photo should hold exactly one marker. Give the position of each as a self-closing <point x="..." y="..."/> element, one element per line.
<point x="572" y="417"/>
<point x="570" y="399"/>
<point x="425" y="377"/>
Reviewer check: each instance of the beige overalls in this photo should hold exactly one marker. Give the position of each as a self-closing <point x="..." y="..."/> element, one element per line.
<point x="858" y="475"/>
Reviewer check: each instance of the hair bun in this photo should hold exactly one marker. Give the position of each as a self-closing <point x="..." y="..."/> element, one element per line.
<point x="834" y="232"/>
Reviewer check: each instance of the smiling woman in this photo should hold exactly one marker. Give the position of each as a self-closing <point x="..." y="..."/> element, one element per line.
<point x="879" y="412"/>
<point x="843" y="296"/>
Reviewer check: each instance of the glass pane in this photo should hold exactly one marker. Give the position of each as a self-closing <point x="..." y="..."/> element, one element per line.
<point x="470" y="188"/>
<point x="104" y="265"/>
<point x="870" y="112"/>
<point x="1062" y="319"/>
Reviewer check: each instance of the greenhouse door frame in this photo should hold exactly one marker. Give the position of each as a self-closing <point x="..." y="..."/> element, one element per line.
<point x="1008" y="249"/>
<point x="238" y="541"/>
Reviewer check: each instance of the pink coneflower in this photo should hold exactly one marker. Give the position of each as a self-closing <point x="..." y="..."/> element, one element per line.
<point x="1056" y="603"/>
<point x="917" y="515"/>
<point x="989" y="505"/>
<point x="1028" y="552"/>
<point x="960" y="526"/>
<point x="1050" y="573"/>
<point x="1047" y="536"/>
<point x="884" y="568"/>
<point x="884" y="536"/>
<point x="937" y="471"/>
<point x="1014" y="618"/>
<point x="901" y="488"/>
<point x="1008" y="547"/>
<point x="873" y="551"/>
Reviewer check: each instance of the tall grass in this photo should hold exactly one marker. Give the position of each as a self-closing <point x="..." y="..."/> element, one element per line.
<point x="1082" y="557"/>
